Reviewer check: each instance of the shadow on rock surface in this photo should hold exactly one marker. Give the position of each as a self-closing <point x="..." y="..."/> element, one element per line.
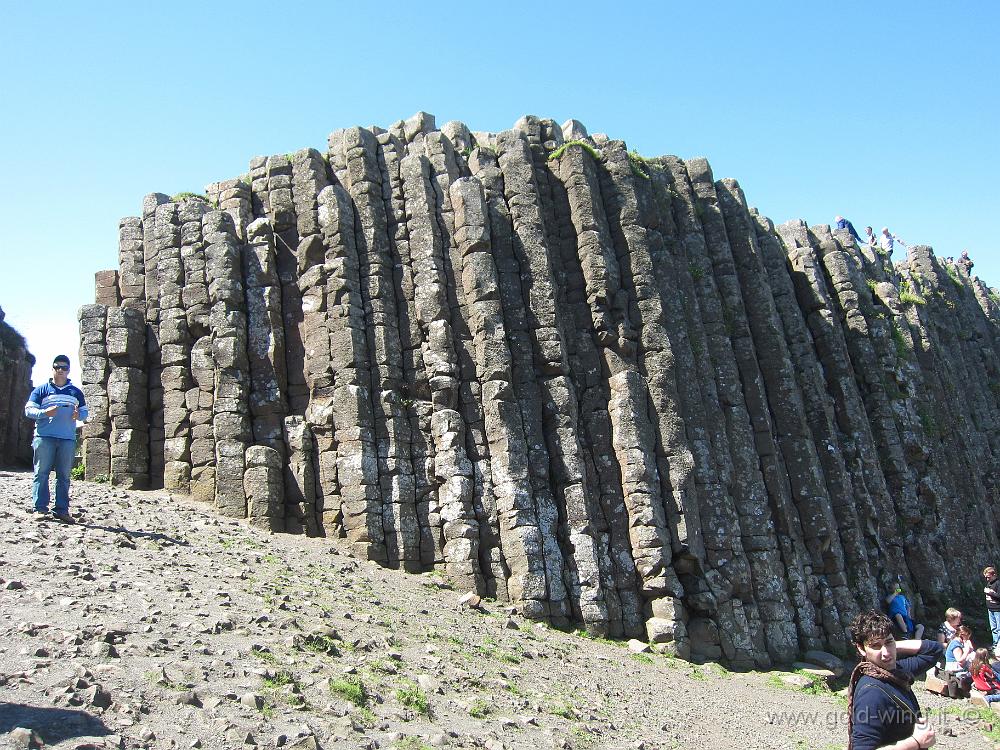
<point x="131" y="533"/>
<point x="52" y="725"/>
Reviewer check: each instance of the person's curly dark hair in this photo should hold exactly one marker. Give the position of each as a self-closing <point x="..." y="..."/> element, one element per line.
<point x="870" y="626"/>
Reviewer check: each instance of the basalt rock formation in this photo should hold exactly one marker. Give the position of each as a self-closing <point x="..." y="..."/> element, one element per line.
<point x="600" y="387"/>
<point x="15" y="387"/>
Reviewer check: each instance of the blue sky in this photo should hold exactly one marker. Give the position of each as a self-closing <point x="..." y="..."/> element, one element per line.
<point x="886" y="113"/>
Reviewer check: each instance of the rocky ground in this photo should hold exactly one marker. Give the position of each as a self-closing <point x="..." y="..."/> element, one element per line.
<point x="153" y="623"/>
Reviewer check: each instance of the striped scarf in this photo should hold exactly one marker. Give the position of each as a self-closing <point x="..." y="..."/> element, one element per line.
<point x="898" y="677"/>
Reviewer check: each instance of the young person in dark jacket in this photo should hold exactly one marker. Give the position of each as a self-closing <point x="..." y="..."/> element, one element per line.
<point x="882" y="709"/>
<point x="992" y="591"/>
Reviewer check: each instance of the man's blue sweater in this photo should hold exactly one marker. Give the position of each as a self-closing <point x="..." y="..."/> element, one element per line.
<point x="67" y="398"/>
<point x="884" y="713"/>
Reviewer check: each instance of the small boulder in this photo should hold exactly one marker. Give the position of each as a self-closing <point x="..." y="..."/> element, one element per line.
<point x="471" y="600"/>
<point x="22" y="737"/>
<point x="825" y="660"/>
<point x="638" y="647"/>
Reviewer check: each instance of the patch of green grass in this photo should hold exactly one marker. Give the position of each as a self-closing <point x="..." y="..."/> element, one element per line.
<point x="351" y="689"/>
<point x="985" y="716"/>
<point x="908" y="298"/>
<point x="900" y="342"/>
<point x="278" y="679"/>
<point x="77" y="472"/>
<point x="582" y="144"/>
<point x="320" y="644"/>
<point x="696" y="271"/>
<point x="638" y="165"/>
<point x="101" y="479"/>
<point x="186" y="196"/>
<point x="493" y="652"/>
<point x="927" y="422"/>
<point x="480" y="709"/>
<point x="271" y="559"/>
<point x="953" y="273"/>
<point x="414" y="698"/>
<point x="994" y="297"/>
<point x="644" y="658"/>
<point x="871" y="284"/>
<point x="411" y="743"/>
<point x="697" y="673"/>
<point x="816" y="686"/>
<point x="514" y="689"/>
<point x="562" y="708"/>
<point x="718" y="669"/>
<point x="365" y="717"/>
<point x="262" y="653"/>
<point x="158" y="678"/>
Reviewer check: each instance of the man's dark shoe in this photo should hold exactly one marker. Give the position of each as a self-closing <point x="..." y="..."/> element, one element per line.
<point x="63" y="517"/>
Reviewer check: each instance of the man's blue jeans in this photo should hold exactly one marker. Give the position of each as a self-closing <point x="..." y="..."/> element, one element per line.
<point x="52" y="453"/>
<point x="994" y="616"/>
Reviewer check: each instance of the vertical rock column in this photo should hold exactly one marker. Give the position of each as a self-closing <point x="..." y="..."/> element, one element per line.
<point x="656" y="458"/>
<point x="94" y="367"/>
<point x="818" y="413"/>
<point x="201" y="401"/>
<point x="127" y="397"/>
<point x="410" y="543"/>
<point x="264" y="486"/>
<point x="870" y="494"/>
<point x="525" y="546"/>
<point x="347" y="458"/>
<point x="132" y="276"/>
<point x="800" y="505"/>
<point x="230" y="421"/>
<point x="175" y="339"/>
<point x="106" y="289"/>
<point x="630" y="479"/>
<point x="452" y="468"/>
<point x="364" y="523"/>
<point x="265" y="336"/>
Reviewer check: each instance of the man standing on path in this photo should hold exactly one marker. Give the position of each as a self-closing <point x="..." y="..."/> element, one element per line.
<point x="55" y="406"/>
<point x="992" y="591"/>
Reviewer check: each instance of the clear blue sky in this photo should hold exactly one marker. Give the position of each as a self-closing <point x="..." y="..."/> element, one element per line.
<point x="886" y="113"/>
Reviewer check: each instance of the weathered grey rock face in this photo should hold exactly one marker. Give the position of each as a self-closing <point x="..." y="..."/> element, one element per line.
<point x="15" y="387"/>
<point x="600" y="387"/>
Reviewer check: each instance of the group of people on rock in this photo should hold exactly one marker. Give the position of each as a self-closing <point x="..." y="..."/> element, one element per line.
<point x="884" y="243"/>
<point x="883" y="711"/>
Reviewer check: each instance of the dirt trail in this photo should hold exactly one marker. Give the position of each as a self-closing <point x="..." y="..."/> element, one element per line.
<point x="153" y="623"/>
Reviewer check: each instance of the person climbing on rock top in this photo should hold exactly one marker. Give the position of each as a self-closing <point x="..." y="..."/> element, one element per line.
<point x="882" y="710"/>
<point x="888" y="241"/>
<point x="870" y="238"/>
<point x="55" y="406"/>
<point x="843" y="223"/>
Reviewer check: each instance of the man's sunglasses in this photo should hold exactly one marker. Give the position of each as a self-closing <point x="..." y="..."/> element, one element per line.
<point x="60" y="367"/>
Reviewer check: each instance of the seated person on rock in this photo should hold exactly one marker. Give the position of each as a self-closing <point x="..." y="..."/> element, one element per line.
<point x="882" y="710"/>
<point x="958" y="656"/>
<point x="959" y="652"/>
<point x="900" y="613"/>
<point x="984" y="679"/>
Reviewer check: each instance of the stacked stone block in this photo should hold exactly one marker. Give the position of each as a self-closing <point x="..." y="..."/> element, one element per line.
<point x="94" y="370"/>
<point x="128" y="394"/>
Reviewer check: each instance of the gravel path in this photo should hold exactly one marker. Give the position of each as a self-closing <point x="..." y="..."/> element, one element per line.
<point x="153" y="623"/>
